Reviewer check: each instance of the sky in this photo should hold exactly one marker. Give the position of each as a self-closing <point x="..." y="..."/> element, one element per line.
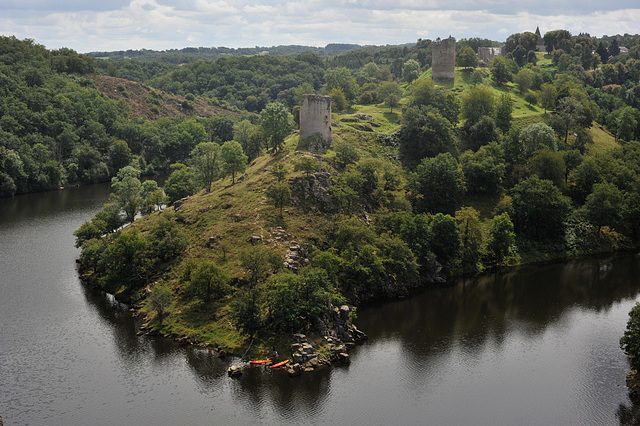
<point x="110" y="25"/>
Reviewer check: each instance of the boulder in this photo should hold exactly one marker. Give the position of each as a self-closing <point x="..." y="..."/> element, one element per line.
<point x="295" y="370"/>
<point x="300" y="338"/>
<point x="298" y="358"/>
<point x="312" y="363"/>
<point x="343" y="357"/>
<point x="234" y="370"/>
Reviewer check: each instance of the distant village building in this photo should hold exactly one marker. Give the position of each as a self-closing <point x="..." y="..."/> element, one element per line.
<point x="315" y="123"/>
<point x="486" y="54"/>
<point x="540" y="43"/>
<point x="443" y="59"/>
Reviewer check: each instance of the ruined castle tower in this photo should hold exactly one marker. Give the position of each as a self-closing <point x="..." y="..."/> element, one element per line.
<point x="443" y="59"/>
<point x="315" y="123"/>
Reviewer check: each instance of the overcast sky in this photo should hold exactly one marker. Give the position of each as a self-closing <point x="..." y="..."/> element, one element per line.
<point x="162" y="24"/>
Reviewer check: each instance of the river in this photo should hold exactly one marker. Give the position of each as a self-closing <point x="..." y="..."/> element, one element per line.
<point x="533" y="346"/>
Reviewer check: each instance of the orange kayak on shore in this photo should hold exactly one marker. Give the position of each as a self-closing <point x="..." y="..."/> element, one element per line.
<point x="280" y="364"/>
<point x="260" y="361"/>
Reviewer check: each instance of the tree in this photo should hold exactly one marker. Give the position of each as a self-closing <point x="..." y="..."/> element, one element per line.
<point x="119" y="155"/>
<point x="276" y="123"/>
<point x="206" y="160"/>
<point x="280" y="195"/>
<point x="477" y="77"/>
<point x="537" y="136"/>
<point x="627" y="123"/>
<point x="437" y="185"/>
<point x="524" y="79"/>
<point x="548" y="165"/>
<point x="258" y="262"/>
<point x="411" y="70"/>
<point x="424" y="133"/>
<point x="425" y="93"/>
<point x="502" y="238"/>
<point x="307" y="165"/>
<point x="481" y="132"/>
<point x="614" y="48"/>
<point x="127" y="191"/>
<point x="207" y="280"/>
<point x="233" y="159"/>
<point x="341" y="78"/>
<point x="160" y="299"/>
<point x="504" y="110"/>
<point x="548" y="96"/>
<point x="573" y="115"/>
<point x="630" y="341"/>
<point x="539" y="209"/>
<point x="484" y="169"/>
<point x="466" y="57"/>
<point x="471" y="238"/>
<point x="248" y="135"/>
<point x="390" y="93"/>
<point x="500" y="70"/>
<point x="605" y="205"/>
<point x="150" y="193"/>
<point x="279" y="171"/>
<point x="339" y="101"/>
<point x="445" y="238"/>
<point x="180" y="183"/>
<point x="477" y="102"/>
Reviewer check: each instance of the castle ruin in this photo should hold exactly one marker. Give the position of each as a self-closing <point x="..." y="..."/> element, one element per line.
<point x="315" y="123"/>
<point x="443" y="59"/>
<point x="486" y="54"/>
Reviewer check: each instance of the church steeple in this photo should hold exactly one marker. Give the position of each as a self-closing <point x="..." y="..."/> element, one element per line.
<point x="538" y="31"/>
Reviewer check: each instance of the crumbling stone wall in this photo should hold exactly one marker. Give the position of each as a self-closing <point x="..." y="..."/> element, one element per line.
<point x="486" y="54"/>
<point x="315" y="123"/>
<point x="443" y="59"/>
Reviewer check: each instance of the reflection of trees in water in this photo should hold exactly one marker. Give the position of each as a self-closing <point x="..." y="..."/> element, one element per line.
<point x="480" y="310"/>
<point x="258" y="388"/>
<point x="629" y="414"/>
<point x="292" y="397"/>
<point x="124" y="328"/>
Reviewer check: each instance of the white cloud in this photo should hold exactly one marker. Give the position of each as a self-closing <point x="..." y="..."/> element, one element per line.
<point x="164" y="24"/>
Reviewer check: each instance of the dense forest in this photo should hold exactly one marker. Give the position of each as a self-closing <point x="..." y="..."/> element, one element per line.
<point x="533" y="157"/>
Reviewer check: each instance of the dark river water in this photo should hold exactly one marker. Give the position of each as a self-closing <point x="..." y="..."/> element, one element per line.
<point x="534" y="346"/>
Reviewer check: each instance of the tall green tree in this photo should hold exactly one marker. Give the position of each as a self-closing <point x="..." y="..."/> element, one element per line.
<point x="206" y="160"/>
<point x="390" y="93"/>
<point x="233" y="159"/>
<point x="605" y="205"/>
<point x="466" y="57"/>
<point x="208" y="280"/>
<point x="276" y="123"/>
<point x="127" y="191"/>
<point x="501" y="239"/>
<point x="424" y="133"/>
<point x="411" y="70"/>
<point x="437" y="185"/>
<point x="477" y="102"/>
<point x="539" y="209"/>
<point x="471" y="238"/>
<point x="504" y="111"/>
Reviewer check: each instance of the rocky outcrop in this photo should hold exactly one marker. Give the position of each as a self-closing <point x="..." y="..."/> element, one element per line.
<point x="312" y="191"/>
<point x="234" y="370"/>
<point x="295" y="257"/>
<point x="335" y="325"/>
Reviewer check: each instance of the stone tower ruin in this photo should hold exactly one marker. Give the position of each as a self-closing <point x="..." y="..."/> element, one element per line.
<point x="443" y="59"/>
<point x="315" y="123"/>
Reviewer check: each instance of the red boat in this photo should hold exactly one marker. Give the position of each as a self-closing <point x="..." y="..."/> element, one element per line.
<point x="280" y="364"/>
<point x="260" y="361"/>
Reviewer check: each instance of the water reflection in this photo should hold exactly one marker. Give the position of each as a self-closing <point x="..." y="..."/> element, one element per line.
<point x="479" y="309"/>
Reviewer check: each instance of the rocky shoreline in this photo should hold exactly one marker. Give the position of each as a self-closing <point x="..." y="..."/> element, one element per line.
<point x="339" y="335"/>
